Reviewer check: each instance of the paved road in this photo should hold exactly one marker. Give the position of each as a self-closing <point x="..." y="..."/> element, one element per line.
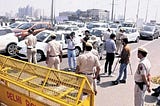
<point x="122" y="94"/>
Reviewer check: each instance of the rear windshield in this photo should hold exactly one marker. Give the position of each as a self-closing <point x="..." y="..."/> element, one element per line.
<point x="26" y="26"/>
<point x="5" y="31"/>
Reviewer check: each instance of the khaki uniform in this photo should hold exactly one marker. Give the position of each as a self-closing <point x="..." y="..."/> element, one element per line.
<point x="31" y="48"/>
<point x="54" y="49"/>
<point x="119" y="37"/>
<point x="86" y="63"/>
<point x="143" y="69"/>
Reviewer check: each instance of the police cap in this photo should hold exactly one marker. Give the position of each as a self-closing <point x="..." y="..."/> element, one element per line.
<point x="142" y="49"/>
<point x="53" y="34"/>
<point x="89" y="44"/>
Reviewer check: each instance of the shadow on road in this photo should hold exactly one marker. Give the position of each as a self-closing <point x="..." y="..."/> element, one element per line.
<point x="105" y="84"/>
<point x="150" y="99"/>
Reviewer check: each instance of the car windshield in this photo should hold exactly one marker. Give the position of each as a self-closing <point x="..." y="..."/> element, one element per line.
<point x="128" y="31"/>
<point x="60" y="28"/>
<point x="148" y="28"/>
<point x="97" y="33"/>
<point x="26" y="26"/>
<point x="71" y="29"/>
<point x="58" y="37"/>
<point x="14" y="25"/>
<point x="42" y="35"/>
<point x="5" y="31"/>
<point x="113" y="26"/>
<point x="127" y="25"/>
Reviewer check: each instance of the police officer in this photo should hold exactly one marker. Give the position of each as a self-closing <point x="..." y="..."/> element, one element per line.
<point x="142" y="77"/>
<point x="54" y="53"/>
<point x="85" y="64"/>
<point x="119" y="37"/>
<point x="31" y="41"/>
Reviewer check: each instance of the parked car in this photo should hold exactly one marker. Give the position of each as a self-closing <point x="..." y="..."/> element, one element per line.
<point x="42" y="39"/>
<point x="98" y="32"/>
<point x="8" y="41"/>
<point x="16" y="24"/>
<point x="114" y="27"/>
<point x="149" y="32"/>
<point x="97" y="25"/>
<point x="22" y="31"/>
<point x="132" y="34"/>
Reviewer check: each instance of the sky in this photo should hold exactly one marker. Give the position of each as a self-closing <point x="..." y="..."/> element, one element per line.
<point x="73" y="5"/>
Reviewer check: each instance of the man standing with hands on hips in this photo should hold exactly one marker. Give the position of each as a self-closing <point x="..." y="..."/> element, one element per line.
<point x="31" y="42"/>
<point x="86" y="64"/>
<point x="142" y="77"/>
<point x="54" y="53"/>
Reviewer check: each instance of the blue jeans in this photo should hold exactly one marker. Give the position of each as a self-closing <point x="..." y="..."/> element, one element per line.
<point x="71" y="55"/>
<point x="123" y="70"/>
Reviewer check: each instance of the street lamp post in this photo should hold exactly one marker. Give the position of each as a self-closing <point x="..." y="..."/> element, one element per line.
<point x="137" y="16"/>
<point x="52" y="13"/>
<point x="147" y="11"/>
<point x="124" y="16"/>
<point x="112" y="10"/>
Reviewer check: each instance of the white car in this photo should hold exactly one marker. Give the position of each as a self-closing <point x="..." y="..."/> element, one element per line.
<point x="132" y="34"/>
<point x="42" y="39"/>
<point x="8" y="41"/>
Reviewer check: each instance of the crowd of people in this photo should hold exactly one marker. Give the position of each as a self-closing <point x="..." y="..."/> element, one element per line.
<point x="88" y="63"/>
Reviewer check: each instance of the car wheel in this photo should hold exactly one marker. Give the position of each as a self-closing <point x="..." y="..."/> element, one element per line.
<point x="40" y="55"/>
<point x="77" y="51"/>
<point x="137" y="40"/>
<point x="11" y="49"/>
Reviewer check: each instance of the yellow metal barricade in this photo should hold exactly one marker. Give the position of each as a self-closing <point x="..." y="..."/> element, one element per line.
<point x="27" y="84"/>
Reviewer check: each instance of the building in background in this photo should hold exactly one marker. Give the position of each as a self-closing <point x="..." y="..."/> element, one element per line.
<point x="89" y="15"/>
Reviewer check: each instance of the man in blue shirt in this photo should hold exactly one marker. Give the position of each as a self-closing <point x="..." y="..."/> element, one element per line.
<point x="110" y="53"/>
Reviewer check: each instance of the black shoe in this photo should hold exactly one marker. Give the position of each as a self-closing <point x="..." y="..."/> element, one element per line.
<point x="115" y="82"/>
<point x="122" y="81"/>
<point x="155" y="94"/>
<point x="116" y="53"/>
<point x="154" y="89"/>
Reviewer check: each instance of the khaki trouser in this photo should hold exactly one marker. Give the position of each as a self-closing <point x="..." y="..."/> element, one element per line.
<point x="119" y="46"/>
<point x="92" y="82"/>
<point x="139" y="95"/>
<point x="31" y="54"/>
<point x="54" y="62"/>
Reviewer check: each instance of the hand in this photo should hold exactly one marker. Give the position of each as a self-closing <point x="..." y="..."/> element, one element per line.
<point x="60" y="59"/>
<point x="149" y="89"/>
<point x="46" y="61"/>
<point x="95" y="92"/>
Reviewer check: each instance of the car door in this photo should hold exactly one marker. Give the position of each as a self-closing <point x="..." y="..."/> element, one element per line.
<point x="3" y="39"/>
<point x="134" y="35"/>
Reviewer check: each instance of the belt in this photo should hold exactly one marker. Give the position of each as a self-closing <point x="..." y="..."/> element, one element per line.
<point x="53" y="56"/>
<point x="30" y="47"/>
<point x="85" y="73"/>
<point x="71" y="49"/>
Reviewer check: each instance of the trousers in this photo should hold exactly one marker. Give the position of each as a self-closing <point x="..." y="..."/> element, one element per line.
<point x="122" y="70"/>
<point x="71" y="59"/>
<point x="139" y="95"/>
<point x="31" y="54"/>
<point x="109" y="60"/>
